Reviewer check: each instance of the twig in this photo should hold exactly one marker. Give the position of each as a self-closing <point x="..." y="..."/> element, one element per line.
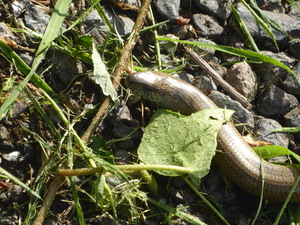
<point x="232" y="92"/>
<point x="48" y="200"/>
<point x="123" y="66"/>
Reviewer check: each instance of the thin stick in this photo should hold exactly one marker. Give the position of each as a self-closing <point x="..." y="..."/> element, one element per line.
<point x="232" y="92"/>
<point x="123" y="66"/>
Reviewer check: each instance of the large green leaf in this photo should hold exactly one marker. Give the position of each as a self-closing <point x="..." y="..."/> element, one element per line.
<point x="187" y="141"/>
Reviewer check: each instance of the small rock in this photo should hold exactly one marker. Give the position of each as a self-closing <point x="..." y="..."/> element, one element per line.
<point x="291" y="85"/>
<point x="243" y="79"/>
<point x="64" y="68"/>
<point x="206" y="53"/>
<point x="295" y="11"/>
<point x="18" y="7"/>
<point x="288" y="23"/>
<point x="169" y="46"/>
<point x="263" y="132"/>
<point x="27" y="57"/>
<point x="123" y="129"/>
<point x="275" y="101"/>
<point x="123" y="24"/>
<point x="207" y="26"/>
<point x="4" y="133"/>
<point x="19" y="106"/>
<point x="36" y="19"/>
<point x="168" y="10"/>
<point x="271" y="74"/>
<point x="294" y="48"/>
<point x="95" y="26"/>
<point x="217" y="8"/>
<point x="241" y="115"/>
<point x="292" y="119"/>
<point x="6" y="33"/>
<point x="12" y="157"/>
<point x="271" y="5"/>
<point x="122" y="156"/>
<point x="205" y="84"/>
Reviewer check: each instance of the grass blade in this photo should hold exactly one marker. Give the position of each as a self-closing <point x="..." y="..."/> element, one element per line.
<point x="19" y="182"/>
<point x="60" y="11"/>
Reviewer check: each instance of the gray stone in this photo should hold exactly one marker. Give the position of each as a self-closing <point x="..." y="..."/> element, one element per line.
<point x="205" y="84"/>
<point x="6" y="33"/>
<point x="295" y="11"/>
<point x="271" y="5"/>
<point x="263" y="132"/>
<point x="12" y="156"/>
<point x="65" y="68"/>
<point x="292" y="119"/>
<point x="294" y="48"/>
<point x="275" y="101"/>
<point x="18" y="6"/>
<point x="206" y="53"/>
<point x="97" y="28"/>
<point x="241" y="115"/>
<point x="168" y="10"/>
<point x="36" y="18"/>
<point x="243" y="79"/>
<point x="169" y="46"/>
<point x="4" y="133"/>
<point x="271" y="74"/>
<point x="291" y="85"/>
<point x="217" y="8"/>
<point x="206" y="26"/>
<point x="288" y="23"/>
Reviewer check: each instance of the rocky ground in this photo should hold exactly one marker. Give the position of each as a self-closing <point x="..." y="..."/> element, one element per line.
<point x="27" y="142"/>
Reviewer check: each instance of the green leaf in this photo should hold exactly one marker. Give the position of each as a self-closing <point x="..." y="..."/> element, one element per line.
<point x="101" y="76"/>
<point x="187" y="141"/>
<point x="270" y="151"/>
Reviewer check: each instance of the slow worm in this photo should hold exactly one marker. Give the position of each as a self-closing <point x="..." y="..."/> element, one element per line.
<point x="237" y="159"/>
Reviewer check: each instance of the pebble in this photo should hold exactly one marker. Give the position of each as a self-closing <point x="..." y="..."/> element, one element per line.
<point x="295" y="11"/>
<point x="270" y="74"/>
<point x="241" y="115"/>
<point x="271" y="5"/>
<point x="36" y="19"/>
<point x="205" y="83"/>
<point x="291" y="85"/>
<point x="274" y="101"/>
<point x="243" y="79"/>
<point x="4" y="132"/>
<point x="64" y="69"/>
<point x="292" y="119"/>
<point x="206" y="53"/>
<point x="263" y="132"/>
<point x="207" y="27"/>
<point x="168" y="10"/>
<point x="294" y="48"/>
<point x="6" y="33"/>
<point x="169" y="47"/>
<point x="95" y="26"/>
<point x="217" y="8"/>
<point x="289" y="24"/>
<point x="18" y="7"/>
<point x="12" y="156"/>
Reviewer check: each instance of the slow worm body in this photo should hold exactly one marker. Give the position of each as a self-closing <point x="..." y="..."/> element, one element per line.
<point x="237" y="159"/>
